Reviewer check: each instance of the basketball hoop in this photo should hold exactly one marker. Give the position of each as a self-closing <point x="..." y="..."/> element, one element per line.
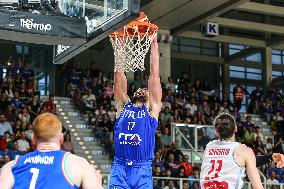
<point x="131" y="44"/>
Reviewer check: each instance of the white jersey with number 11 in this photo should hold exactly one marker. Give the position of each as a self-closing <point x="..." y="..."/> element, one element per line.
<point x="220" y="169"/>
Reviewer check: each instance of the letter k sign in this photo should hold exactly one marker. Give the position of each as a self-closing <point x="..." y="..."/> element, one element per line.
<point x="212" y="28"/>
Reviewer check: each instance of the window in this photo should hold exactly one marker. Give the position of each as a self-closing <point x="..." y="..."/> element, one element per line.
<point x="245" y="73"/>
<point x="277" y="74"/>
<point x="22" y="49"/>
<point x="4" y="72"/>
<point x="233" y="49"/>
<point x="188" y="45"/>
<point x="277" y="57"/>
<point x="43" y="83"/>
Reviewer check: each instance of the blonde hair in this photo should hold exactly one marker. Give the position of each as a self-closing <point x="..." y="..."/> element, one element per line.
<point x="46" y="126"/>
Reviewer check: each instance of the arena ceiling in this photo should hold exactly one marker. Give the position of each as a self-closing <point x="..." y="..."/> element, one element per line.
<point x="255" y="23"/>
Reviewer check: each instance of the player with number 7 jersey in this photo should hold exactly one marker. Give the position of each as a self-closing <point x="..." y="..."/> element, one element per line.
<point x="49" y="167"/>
<point x="225" y="161"/>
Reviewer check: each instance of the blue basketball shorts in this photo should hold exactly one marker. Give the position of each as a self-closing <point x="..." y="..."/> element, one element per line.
<point x="126" y="174"/>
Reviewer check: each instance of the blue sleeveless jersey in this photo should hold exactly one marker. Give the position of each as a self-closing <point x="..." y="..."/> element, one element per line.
<point x="134" y="133"/>
<point x="41" y="170"/>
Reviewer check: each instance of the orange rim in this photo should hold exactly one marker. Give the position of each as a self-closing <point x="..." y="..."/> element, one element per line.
<point x="144" y="28"/>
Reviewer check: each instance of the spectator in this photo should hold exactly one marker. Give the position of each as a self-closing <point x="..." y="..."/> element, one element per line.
<point x="89" y="100"/>
<point x="82" y="86"/>
<point x="10" y="114"/>
<point x="259" y="146"/>
<point x="195" y="185"/>
<point x="256" y="98"/>
<point x="281" y="178"/>
<point x="267" y="110"/>
<point x="5" y="160"/>
<point x="6" y="142"/>
<point x="4" y="125"/>
<point x="104" y="99"/>
<point x="131" y="90"/>
<point x="248" y="123"/>
<point x="170" y="185"/>
<point x="15" y="151"/>
<point x="9" y="91"/>
<point x="165" y="117"/>
<point x="26" y="72"/>
<point x="23" y="144"/>
<point x="96" y="87"/>
<point x="17" y="128"/>
<point x="185" y="185"/>
<point x="187" y="166"/>
<point x="4" y="102"/>
<point x="277" y="119"/>
<point x="172" y="164"/>
<point x="24" y="116"/>
<point x="157" y="162"/>
<point x="100" y="110"/>
<point x="111" y="113"/>
<point x="200" y="118"/>
<point x="195" y="175"/>
<point x="277" y="147"/>
<point x="156" y="184"/>
<point x="165" y="103"/>
<point x="191" y="106"/>
<point x="170" y="84"/>
<point x="204" y="108"/>
<point x="269" y="145"/>
<point x="176" y="152"/>
<point x="238" y="93"/>
<point x="17" y="102"/>
<point x="157" y="172"/>
<point x="49" y="106"/>
<point x="272" y="180"/>
<point x="29" y="132"/>
<point x="108" y="88"/>
<point x="34" y="107"/>
<point x="181" y="172"/>
<point x="165" y="137"/>
<point x="206" y="86"/>
<point x="249" y="136"/>
<point x="67" y="144"/>
<point x="258" y="133"/>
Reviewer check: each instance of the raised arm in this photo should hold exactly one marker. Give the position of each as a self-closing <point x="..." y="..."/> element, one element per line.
<point x="154" y="83"/>
<point x="120" y="91"/>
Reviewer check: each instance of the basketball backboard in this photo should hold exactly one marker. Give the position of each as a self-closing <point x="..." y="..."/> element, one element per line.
<point x="102" y="18"/>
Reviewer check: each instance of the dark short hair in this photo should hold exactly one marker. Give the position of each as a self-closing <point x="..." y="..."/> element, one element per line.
<point x="225" y="125"/>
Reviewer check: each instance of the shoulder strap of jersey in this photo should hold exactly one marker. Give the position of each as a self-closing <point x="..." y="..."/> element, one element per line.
<point x="16" y="160"/>
<point x="65" y="169"/>
<point x="233" y="154"/>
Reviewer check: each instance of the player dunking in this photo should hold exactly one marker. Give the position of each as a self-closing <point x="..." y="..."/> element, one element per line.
<point x="225" y="160"/>
<point x="134" y="132"/>
<point x="49" y="167"/>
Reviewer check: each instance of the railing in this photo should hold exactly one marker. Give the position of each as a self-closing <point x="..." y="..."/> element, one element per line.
<point x="184" y="144"/>
<point x="179" y="182"/>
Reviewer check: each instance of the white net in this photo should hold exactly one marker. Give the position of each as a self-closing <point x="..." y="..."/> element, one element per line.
<point x="131" y="49"/>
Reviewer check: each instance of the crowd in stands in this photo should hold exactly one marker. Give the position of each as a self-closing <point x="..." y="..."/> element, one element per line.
<point x="19" y="105"/>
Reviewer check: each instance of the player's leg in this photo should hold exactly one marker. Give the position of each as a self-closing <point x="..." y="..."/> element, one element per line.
<point x="118" y="178"/>
<point x="141" y="177"/>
